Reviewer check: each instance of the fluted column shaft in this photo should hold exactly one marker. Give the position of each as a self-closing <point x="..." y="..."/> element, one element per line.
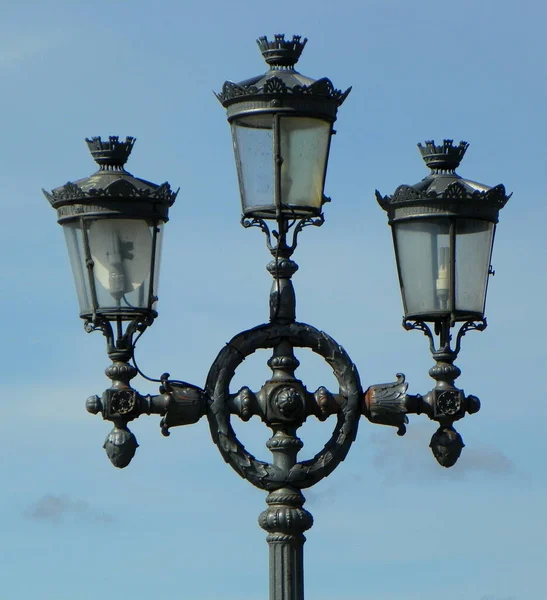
<point x="285" y="520"/>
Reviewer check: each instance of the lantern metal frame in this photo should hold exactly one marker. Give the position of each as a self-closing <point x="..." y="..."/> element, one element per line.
<point x="283" y="402"/>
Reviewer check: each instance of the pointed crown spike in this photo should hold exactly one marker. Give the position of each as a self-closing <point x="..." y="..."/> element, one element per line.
<point x="443" y="158"/>
<point x="279" y="52"/>
<point x="110" y="155"/>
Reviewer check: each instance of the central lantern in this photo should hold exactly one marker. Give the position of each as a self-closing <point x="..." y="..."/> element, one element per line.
<point x="282" y="124"/>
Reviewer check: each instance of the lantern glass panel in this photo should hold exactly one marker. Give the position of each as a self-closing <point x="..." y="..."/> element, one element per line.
<point x="474" y="241"/>
<point x="121" y="252"/>
<point x="253" y="148"/>
<point x="77" y="254"/>
<point x="304" y="148"/>
<point x="423" y="256"/>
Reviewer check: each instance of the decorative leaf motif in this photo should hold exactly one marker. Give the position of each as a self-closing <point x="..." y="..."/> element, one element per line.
<point x="120" y="446"/>
<point x="275" y="85"/>
<point x="455" y="190"/>
<point x="322" y="87"/>
<point x="497" y="195"/>
<point x="118" y="189"/>
<point x="406" y="193"/>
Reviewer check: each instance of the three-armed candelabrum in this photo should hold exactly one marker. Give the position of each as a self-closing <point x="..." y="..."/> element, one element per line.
<point x="282" y="123"/>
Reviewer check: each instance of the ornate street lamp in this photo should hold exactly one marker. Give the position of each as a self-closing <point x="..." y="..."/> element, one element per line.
<point x="281" y="127"/>
<point x="113" y="229"/>
<point x="113" y="223"/>
<point x="443" y="233"/>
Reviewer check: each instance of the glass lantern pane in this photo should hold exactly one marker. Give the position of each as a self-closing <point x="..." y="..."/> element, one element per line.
<point x="77" y="255"/>
<point x="304" y="149"/>
<point x="121" y="251"/>
<point x="423" y="256"/>
<point x="473" y="250"/>
<point x="253" y="148"/>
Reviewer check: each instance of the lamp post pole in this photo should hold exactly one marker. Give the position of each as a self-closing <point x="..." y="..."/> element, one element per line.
<point x="282" y="123"/>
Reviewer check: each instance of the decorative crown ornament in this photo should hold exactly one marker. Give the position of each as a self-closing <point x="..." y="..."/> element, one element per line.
<point x="112" y="184"/>
<point x="282" y="87"/>
<point x="443" y="192"/>
<point x="280" y="52"/>
<point x="111" y="154"/>
<point x="444" y="158"/>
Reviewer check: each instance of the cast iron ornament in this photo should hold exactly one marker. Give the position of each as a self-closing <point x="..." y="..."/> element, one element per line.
<point x="282" y="88"/>
<point x="111" y="189"/>
<point x="283" y="402"/>
<point x="289" y="404"/>
<point x="443" y="192"/>
<point x="303" y="474"/>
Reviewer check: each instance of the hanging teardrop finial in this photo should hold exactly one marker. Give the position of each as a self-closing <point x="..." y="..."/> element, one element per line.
<point x="280" y="52"/>
<point x="111" y="154"/>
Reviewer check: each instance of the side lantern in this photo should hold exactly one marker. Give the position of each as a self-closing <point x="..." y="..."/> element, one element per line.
<point x="113" y="228"/>
<point x="443" y="233"/>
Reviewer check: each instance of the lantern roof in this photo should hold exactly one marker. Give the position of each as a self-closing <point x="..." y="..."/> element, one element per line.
<point x="443" y="192"/>
<point x="282" y="86"/>
<point x="112" y="188"/>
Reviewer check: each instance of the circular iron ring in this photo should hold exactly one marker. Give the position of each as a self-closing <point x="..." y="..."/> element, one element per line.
<point x="265" y="475"/>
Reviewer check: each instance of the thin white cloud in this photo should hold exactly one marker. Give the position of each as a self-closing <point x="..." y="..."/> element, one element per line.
<point x="56" y="508"/>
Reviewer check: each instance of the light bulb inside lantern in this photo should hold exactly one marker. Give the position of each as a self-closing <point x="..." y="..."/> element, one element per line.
<point x="121" y="251"/>
<point x="442" y="284"/>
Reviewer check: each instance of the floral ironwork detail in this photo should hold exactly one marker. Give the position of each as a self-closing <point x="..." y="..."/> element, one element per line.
<point x="274" y="85"/>
<point x="289" y="402"/>
<point x="322" y="87"/>
<point x="475" y="325"/>
<point x="449" y="402"/>
<point x="123" y="402"/>
<point x="410" y="325"/>
<point x="385" y="404"/>
<point x="119" y="188"/>
<point x="455" y="191"/>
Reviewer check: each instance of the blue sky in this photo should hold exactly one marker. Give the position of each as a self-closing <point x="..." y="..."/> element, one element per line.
<point x="178" y="523"/>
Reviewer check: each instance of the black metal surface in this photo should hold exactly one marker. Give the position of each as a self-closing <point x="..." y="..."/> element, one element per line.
<point x="445" y="403"/>
<point x="282" y="89"/>
<point x="443" y="193"/>
<point x="111" y="191"/>
<point x="271" y="476"/>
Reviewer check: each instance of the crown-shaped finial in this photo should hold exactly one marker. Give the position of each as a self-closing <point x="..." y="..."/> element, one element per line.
<point x="443" y="158"/>
<point x="111" y="155"/>
<point x="280" y="52"/>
